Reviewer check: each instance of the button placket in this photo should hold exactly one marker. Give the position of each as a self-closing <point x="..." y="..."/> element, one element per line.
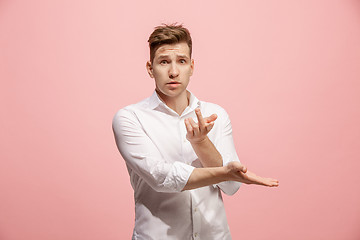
<point x="181" y="135"/>
<point x="196" y="219"/>
<point x="183" y="140"/>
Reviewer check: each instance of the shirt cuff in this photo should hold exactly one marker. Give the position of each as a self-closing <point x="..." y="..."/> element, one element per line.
<point x="228" y="187"/>
<point x="178" y="176"/>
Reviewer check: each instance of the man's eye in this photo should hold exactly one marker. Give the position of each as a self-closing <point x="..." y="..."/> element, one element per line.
<point x="182" y="61"/>
<point x="163" y="62"/>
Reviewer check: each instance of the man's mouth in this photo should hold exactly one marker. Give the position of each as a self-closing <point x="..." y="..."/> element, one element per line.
<point x="173" y="83"/>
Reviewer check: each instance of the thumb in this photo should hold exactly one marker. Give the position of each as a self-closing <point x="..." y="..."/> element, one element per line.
<point x="243" y="168"/>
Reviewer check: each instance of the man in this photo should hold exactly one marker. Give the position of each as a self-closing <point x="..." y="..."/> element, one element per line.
<point x="177" y="160"/>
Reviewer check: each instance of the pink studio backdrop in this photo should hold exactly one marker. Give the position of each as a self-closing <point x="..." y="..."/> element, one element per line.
<point x="287" y="72"/>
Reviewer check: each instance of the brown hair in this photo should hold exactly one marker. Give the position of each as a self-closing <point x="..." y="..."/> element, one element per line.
<point x="168" y="34"/>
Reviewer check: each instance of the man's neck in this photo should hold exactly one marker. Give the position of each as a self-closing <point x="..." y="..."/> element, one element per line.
<point x="178" y="103"/>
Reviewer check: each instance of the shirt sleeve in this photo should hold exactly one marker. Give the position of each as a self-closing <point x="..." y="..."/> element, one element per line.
<point x="143" y="157"/>
<point x="227" y="150"/>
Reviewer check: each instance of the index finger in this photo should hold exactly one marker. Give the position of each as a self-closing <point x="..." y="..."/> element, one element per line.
<point x="200" y="118"/>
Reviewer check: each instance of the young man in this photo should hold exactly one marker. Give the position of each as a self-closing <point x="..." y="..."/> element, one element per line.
<point x="178" y="161"/>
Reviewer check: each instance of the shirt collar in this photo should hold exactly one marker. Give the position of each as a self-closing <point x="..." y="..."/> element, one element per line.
<point x="155" y="101"/>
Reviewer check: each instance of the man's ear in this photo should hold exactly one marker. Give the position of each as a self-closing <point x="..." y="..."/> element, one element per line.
<point x="192" y="66"/>
<point x="149" y="69"/>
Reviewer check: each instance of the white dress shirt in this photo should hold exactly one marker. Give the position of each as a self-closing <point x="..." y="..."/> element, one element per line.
<point x="151" y="138"/>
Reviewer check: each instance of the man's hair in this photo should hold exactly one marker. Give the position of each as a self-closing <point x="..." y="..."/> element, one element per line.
<point x="168" y="34"/>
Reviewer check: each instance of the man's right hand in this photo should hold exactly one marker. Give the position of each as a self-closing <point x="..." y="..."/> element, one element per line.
<point x="238" y="172"/>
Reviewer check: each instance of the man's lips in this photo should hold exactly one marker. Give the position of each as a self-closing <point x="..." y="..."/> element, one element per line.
<point x="173" y="82"/>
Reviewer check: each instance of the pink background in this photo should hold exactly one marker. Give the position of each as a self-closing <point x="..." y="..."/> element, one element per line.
<point x="287" y="72"/>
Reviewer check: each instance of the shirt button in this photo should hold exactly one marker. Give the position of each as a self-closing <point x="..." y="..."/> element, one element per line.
<point x="195" y="210"/>
<point x="184" y="139"/>
<point x="195" y="234"/>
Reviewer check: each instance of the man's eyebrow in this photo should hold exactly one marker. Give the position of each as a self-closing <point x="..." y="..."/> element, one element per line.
<point x="163" y="56"/>
<point x="167" y="56"/>
<point x="182" y="56"/>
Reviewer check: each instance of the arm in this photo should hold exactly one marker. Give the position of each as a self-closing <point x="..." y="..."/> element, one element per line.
<point x="197" y="136"/>
<point x="207" y="153"/>
<point x="234" y="171"/>
<point x="143" y="157"/>
<point x="226" y="147"/>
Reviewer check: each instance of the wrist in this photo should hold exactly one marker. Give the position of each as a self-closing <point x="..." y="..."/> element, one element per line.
<point x="199" y="141"/>
<point x="223" y="174"/>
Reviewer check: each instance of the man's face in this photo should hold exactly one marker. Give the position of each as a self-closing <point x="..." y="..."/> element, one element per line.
<point x="171" y="69"/>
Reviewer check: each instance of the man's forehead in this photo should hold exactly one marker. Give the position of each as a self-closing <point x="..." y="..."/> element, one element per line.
<point x="178" y="48"/>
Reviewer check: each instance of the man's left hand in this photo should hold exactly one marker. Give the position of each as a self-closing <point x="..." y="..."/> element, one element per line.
<point x="197" y="132"/>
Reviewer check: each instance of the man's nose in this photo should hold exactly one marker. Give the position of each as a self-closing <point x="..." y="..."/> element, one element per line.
<point x="173" y="71"/>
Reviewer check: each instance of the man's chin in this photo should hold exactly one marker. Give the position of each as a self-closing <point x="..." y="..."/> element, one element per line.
<point x="170" y="93"/>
